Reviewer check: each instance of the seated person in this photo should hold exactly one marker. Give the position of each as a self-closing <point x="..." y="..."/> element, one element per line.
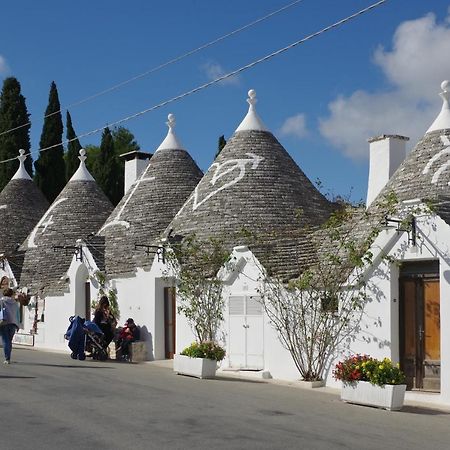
<point x="129" y="333"/>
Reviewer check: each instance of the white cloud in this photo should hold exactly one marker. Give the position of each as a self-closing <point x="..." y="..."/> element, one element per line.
<point x="214" y="70"/>
<point x="294" y="126"/>
<point x="414" y="67"/>
<point x="4" y="68"/>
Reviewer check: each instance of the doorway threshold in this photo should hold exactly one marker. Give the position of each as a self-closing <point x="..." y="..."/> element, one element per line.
<point x="251" y="373"/>
<point x="423" y="397"/>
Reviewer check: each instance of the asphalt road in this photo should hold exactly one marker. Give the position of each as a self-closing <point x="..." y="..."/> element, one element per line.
<point x="48" y="401"/>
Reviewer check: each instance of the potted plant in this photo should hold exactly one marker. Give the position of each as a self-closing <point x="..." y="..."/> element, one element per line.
<point x="196" y="265"/>
<point x="199" y="360"/>
<point x="372" y="382"/>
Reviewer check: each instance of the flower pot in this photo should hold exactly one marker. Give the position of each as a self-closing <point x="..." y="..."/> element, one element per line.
<point x="387" y="396"/>
<point x="194" y="367"/>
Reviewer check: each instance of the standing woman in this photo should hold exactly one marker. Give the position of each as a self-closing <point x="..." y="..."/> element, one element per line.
<point x="104" y="318"/>
<point x="12" y="318"/>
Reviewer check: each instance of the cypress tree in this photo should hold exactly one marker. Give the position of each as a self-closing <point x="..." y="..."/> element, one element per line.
<point x="13" y="113"/>
<point x="124" y="142"/>
<point x="50" y="169"/>
<point x="73" y="149"/>
<point x="220" y="145"/>
<point x="108" y="168"/>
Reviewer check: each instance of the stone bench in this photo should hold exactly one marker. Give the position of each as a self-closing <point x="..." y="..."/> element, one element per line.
<point x="138" y="351"/>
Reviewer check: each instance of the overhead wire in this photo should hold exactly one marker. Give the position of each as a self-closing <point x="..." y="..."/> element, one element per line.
<point x="161" y="66"/>
<point x="216" y="80"/>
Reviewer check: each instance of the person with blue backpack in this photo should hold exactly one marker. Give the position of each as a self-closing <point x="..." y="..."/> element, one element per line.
<point x="9" y="309"/>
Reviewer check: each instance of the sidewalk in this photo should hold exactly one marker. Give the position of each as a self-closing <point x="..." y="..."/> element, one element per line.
<point x="412" y="399"/>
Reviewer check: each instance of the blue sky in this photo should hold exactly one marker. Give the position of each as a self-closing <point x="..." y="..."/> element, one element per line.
<point x="378" y="74"/>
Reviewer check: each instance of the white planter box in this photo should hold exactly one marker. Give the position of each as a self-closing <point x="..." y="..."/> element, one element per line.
<point x="388" y="396"/>
<point x="195" y="367"/>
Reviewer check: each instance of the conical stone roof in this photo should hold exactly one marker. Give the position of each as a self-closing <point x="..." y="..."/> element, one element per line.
<point x="425" y="172"/>
<point x="22" y="204"/>
<point x="253" y="185"/>
<point x="149" y="206"/>
<point x="78" y="212"/>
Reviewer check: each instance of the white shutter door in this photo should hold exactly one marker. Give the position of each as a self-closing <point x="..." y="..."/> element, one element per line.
<point x="236" y="306"/>
<point x="255" y="334"/>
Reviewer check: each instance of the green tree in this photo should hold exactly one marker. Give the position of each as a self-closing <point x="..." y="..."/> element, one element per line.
<point x="13" y="114"/>
<point x="50" y="169"/>
<point x="73" y="149"/>
<point x="107" y="168"/>
<point x="92" y="153"/>
<point x="319" y="310"/>
<point x="196" y="265"/>
<point x="124" y="142"/>
<point x="220" y="145"/>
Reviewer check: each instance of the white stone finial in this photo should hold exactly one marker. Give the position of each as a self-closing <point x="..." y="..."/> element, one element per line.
<point x="22" y="157"/>
<point x="82" y="156"/>
<point x="171" y="141"/>
<point x="442" y="121"/>
<point x="82" y="174"/>
<point x="21" y="171"/>
<point x="171" y="122"/>
<point x="251" y="120"/>
<point x="252" y="97"/>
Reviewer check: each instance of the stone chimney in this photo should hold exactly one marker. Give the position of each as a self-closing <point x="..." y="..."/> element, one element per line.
<point x="135" y="163"/>
<point x="387" y="152"/>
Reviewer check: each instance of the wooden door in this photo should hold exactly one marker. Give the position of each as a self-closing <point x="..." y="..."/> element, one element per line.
<point x="420" y="332"/>
<point x="169" y="321"/>
<point x="87" y="300"/>
<point x="431" y="335"/>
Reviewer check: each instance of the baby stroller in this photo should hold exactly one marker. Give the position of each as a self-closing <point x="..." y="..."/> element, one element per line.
<point x="85" y="335"/>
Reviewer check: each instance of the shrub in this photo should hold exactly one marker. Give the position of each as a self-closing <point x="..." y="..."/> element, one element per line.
<point x="208" y="350"/>
<point x="366" y="368"/>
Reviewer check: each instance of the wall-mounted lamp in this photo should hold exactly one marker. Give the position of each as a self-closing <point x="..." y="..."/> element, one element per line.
<point x="409" y="226"/>
<point x="149" y="249"/>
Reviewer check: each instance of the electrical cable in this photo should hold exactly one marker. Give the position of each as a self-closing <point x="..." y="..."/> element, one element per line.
<point x="161" y="66"/>
<point x="216" y="80"/>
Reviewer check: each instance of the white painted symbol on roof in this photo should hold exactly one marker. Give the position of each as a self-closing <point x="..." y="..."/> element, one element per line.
<point x="31" y="242"/>
<point x="116" y="220"/>
<point x="223" y="169"/>
<point x="47" y="223"/>
<point x="445" y="151"/>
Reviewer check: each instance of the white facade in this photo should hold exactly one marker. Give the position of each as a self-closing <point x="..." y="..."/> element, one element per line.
<point x="248" y="337"/>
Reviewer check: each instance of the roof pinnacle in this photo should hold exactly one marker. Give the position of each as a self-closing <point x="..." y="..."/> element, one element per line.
<point x="442" y="121"/>
<point x="171" y="141"/>
<point x="251" y="121"/>
<point x="21" y="173"/>
<point x="82" y="156"/>
<point x="82" y="174"/>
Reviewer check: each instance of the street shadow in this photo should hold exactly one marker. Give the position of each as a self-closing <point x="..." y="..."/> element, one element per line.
<point x="424" y="411"/>
<point x="12" y="376"/>
<point x="274" y="413"/>
<point x="65" y="366"/>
